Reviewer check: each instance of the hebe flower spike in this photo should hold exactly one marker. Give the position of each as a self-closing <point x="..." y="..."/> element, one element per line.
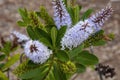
<point x="36" y="51"/>
<point x="61" y="15"/>
<point x="99" y="18"/>
<point x="77" y="34"/>
<point x="83" y="29"/>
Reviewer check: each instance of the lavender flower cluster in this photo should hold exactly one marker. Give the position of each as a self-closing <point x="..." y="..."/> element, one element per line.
<point x="61" y="15"/>
<point x="78" y="33"/>
<point x="74" y="36"/>
<point x="34" y="50"/>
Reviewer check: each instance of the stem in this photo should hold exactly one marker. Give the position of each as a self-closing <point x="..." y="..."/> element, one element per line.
<point x="21" y="56"/>
<point x="92" y="51"/>
<point x="100" y="75"/>
<point x="8" y="70"/>
<point x="8" y="73"/>
<point x="75" y="76"/>
<point x="50" y="67"/>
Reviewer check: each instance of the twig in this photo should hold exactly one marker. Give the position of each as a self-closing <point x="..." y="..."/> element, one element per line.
<point x="75" y="76"/>
<point x="21" y="56"/>
<point x="8" y="73"/>
<point x="100" y="75"/>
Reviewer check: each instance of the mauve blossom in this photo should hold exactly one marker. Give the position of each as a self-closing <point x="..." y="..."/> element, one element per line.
<point x="37" y="52"/>
<point x="61" y="15"/>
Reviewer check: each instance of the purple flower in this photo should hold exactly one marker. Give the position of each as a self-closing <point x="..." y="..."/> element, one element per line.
<point x="61" y="15"/>
<point x="77" y="34"/>
<point x="36" y="51"/>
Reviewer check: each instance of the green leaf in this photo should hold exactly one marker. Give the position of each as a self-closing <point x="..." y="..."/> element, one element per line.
<point x="10" y="62"/>
<point x="1" y="65"/>
<point x="2" y="57"/>
<point x="32" y="34"/>
<point x="50" y="76"/>
<point x="62" y="56"/>
<point x="74" y="52"/>
<point x="61" y="33"/>
<point x="86" y="14"/>
<point x="39" y="34"/>
<point x="34" y="72"/>
<point x="99" y="43"/>
<point x="24" y="14"/>
<point x="21" y="23"/>
<point x="45" y="42"/>
<point x="7" y="48"/>
<point x="86" y="58"/>
<point x="42" y="33"/>
<point x="59" y="75"/>
<point x="3" y="76"/>
<point x="54" y="35"/>
<point x="43" y="37"/>
<point x="75" y="13"/>
<point x="41" y="75"/>
<point x="47" y="74"/>
<point x="80" y="68"/>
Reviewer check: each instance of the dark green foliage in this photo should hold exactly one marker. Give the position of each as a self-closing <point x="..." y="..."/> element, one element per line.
<point x="74" y="13"/>
<point x="1" y="65"/>
<point x="86" y="58"/>
<point x="54" y="36"/>
<point x="80" y="68"/>
<point x="62" y="56"/>
<point x="32" y="34"/>
<point x="61" y="33"/>
<point x="32" y="73"/>
<point x="39" y="34"/>
<point x="74" y="52"/>
<point x="2" y="57"/>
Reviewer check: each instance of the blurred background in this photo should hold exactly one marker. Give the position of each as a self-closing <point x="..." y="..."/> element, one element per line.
<point x="108" y="54"/>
